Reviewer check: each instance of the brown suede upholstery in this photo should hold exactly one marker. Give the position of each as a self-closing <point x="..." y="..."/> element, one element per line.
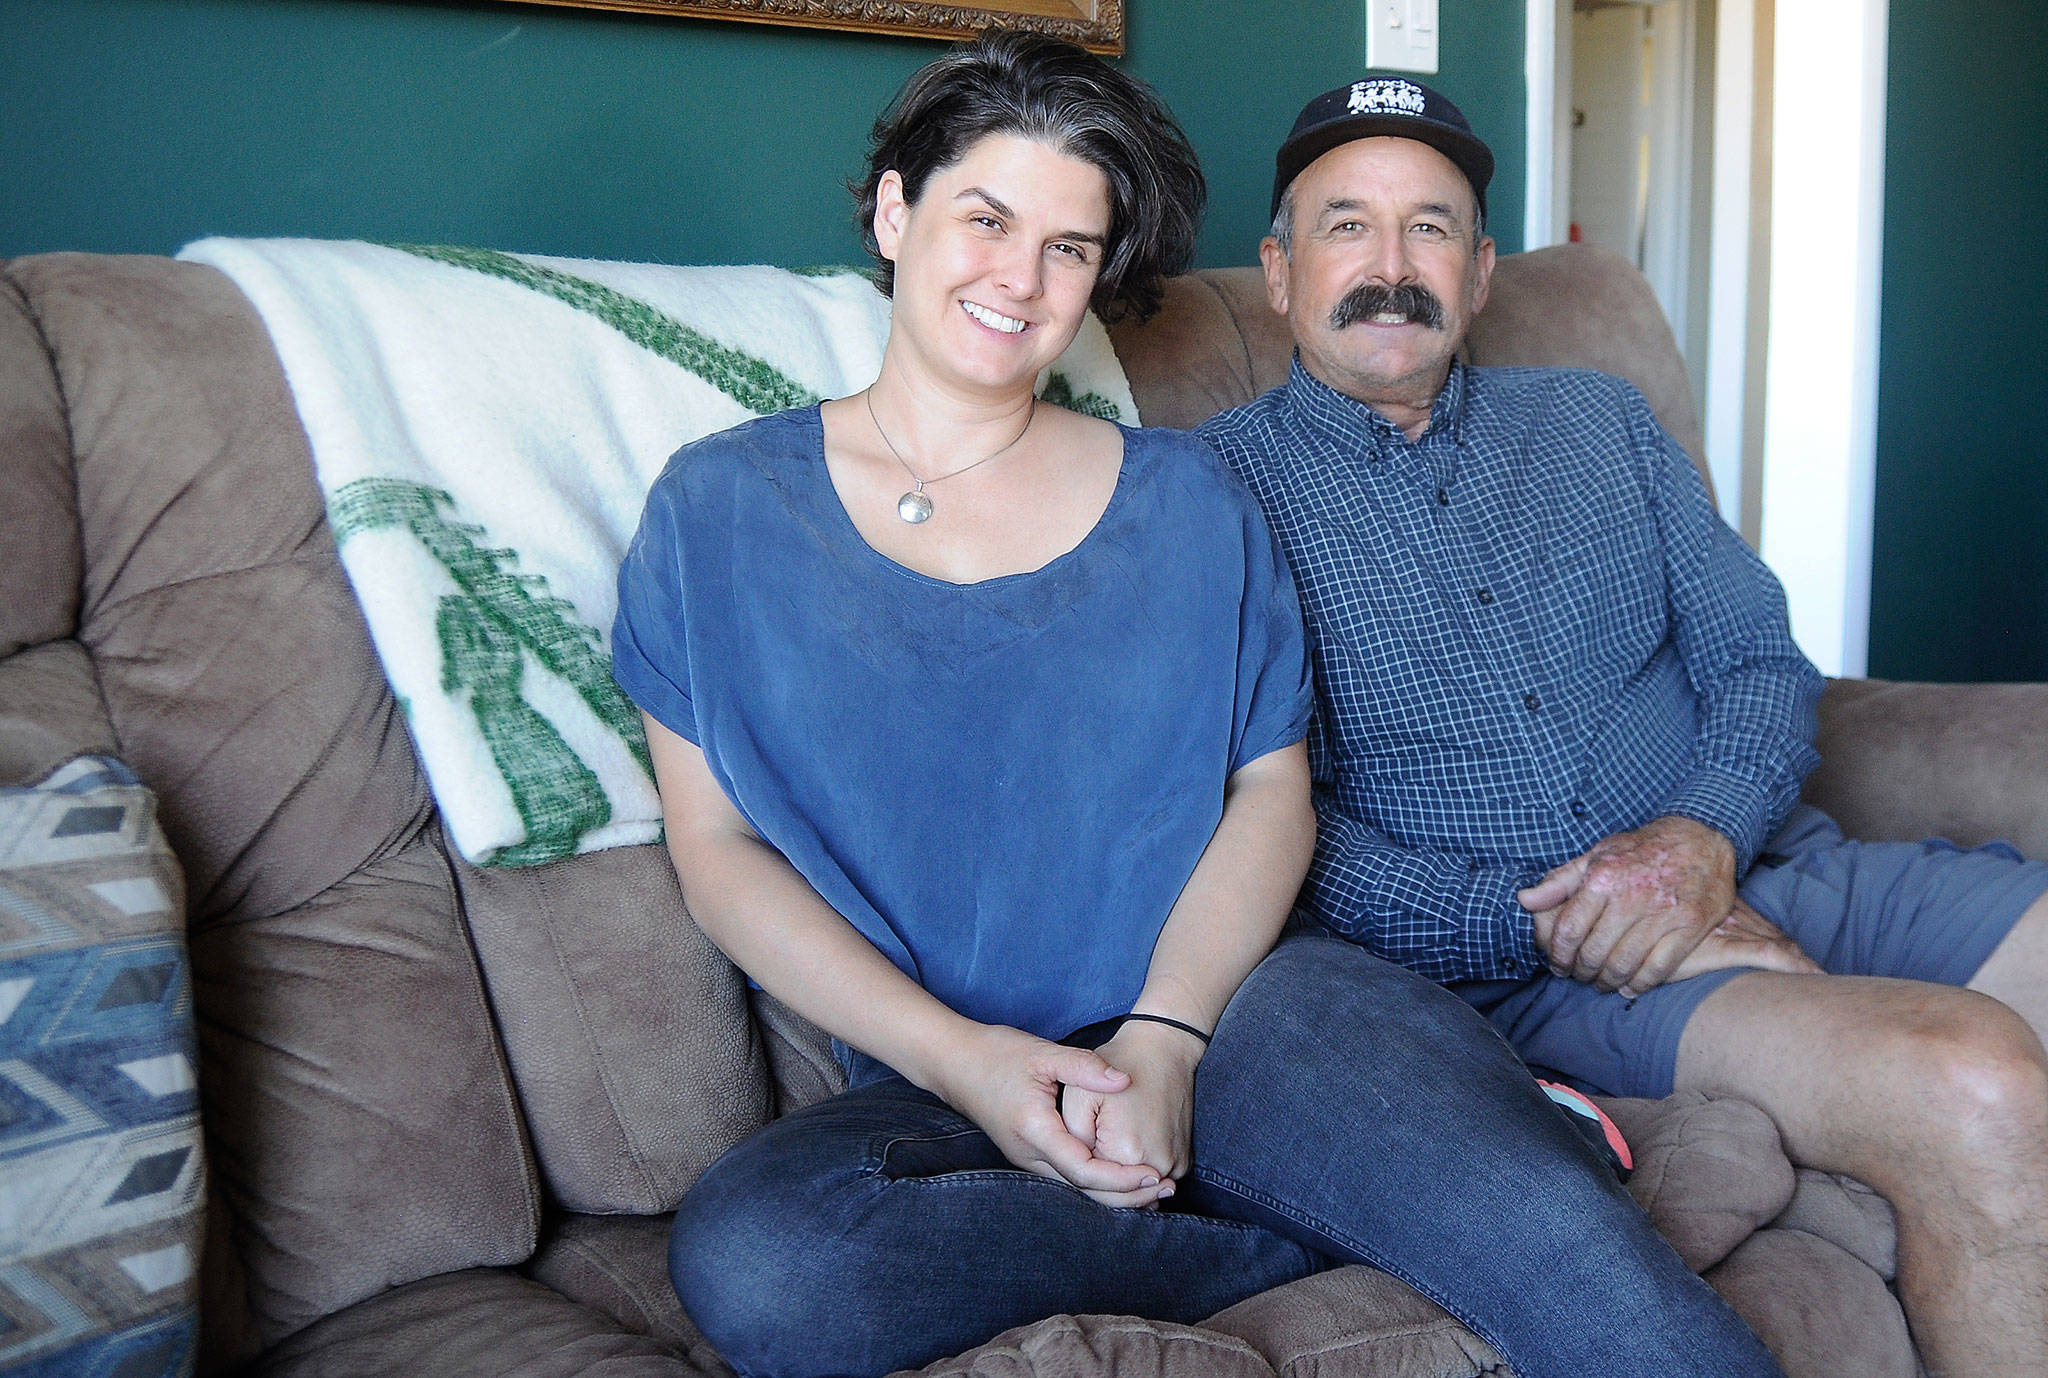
<point x="1578" y="306"/>
<point x="1086" y="1346"/>
<point x="1708" y="1172"/>
<point x="364" y="1131"/>
<point x="39" y="578"/>
<point x="1357" y="1321"/>
<point x="417" y="1075"/>
<point x="1844" y="1212"/>
<point x="50" y="711"/>
<point x="1961" y="761"/>
<point x="482" y="1323"/>
<point x="1819" y="1310"/>
<point x="624" y="1113"/>
<point x="231" y="654"/>
<point x="618" y="1265"/>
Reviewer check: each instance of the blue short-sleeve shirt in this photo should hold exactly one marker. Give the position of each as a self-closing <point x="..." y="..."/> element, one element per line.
<point x="1003" y="785"/>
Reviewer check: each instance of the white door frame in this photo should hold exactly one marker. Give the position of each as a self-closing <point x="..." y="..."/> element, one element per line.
<point x="1827" y="246"/>
<point x="1817" y="464"/>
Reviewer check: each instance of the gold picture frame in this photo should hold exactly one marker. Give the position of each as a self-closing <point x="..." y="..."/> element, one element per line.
<point x="1097" y="25"/>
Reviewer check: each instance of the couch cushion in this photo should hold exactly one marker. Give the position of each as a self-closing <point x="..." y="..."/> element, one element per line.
<point x="626" y="1030"/>
<point x="1848" y="1215"/>
<point x="481" y="1323"/>
<point x="1189" y="362"/>
<point x="232" y="657"/>
<point x="617" y="1265"/>
<point x="799" y="1054"/>
<point x="39" y="519"/>
<point x="1356" y="1321"/>
<point x="100" y="1168"/>
<point x="1709" y="1172"/>
<point x="50" y="711"/>
<point x="1104" y="1347"/>
<point x="364" y="1130"/>
<point x="1899" y="762"/>
<point x="1821" y="1312"/>
<point x="1580" y="306"/>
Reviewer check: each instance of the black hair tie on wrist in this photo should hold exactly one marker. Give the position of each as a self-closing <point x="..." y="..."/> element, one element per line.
<point x="1169" y="1023"/>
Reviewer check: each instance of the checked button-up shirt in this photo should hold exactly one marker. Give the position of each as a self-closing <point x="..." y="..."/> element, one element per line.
<point x="1530" y="630"/>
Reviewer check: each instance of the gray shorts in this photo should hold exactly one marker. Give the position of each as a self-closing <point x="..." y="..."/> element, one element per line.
<point x="1924" y="911"/>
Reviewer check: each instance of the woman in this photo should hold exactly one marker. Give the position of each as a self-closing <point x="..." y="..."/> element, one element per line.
<point x="978" y="727"/>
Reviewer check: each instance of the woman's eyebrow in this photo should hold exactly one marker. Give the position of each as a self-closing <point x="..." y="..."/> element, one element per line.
<point x="990" y="199"/>
<point x="995" y="204"/>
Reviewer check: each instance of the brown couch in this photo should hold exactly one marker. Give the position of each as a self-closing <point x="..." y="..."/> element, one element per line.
<point x="447" y="1109"/>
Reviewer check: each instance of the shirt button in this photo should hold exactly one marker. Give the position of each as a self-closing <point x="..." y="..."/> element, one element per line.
<point x="1578" y="808"/>
<point x="1531" y="702"/>
<point x="1484" y="595"/>
<point x="1443" y="497"/>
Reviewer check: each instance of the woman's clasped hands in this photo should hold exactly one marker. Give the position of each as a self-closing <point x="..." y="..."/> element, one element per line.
<point x="1120" y="1130"/>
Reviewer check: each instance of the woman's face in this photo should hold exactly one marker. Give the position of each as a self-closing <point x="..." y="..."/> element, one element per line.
<point x="996" y="260"/>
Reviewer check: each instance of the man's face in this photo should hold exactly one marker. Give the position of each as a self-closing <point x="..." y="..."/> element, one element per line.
<point x="1384" y="276"/>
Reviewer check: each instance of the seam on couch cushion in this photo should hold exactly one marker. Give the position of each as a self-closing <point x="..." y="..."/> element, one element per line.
<point x="34" y="318"/>
<point x="1473" y="1348"/>
<point x="586" y="1029"/>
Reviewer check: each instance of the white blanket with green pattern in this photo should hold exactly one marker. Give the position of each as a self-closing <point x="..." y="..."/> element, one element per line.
<point x="484" y="429"/>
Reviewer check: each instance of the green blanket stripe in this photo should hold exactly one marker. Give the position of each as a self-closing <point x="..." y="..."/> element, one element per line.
<point x="483" y="630"/>
<point x="753" y="383"/>
<point x="1060" y="392"/>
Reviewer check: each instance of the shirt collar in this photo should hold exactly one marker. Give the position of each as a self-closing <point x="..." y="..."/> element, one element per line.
<point x="1324" y="408"/>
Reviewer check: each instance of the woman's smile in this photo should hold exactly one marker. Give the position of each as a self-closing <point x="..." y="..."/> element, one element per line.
<point x="994" y="319"/>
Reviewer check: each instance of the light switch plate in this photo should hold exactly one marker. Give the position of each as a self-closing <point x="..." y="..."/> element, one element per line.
<point x="1400" y="35"/>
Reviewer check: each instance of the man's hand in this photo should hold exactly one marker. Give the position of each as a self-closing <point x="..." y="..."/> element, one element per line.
<point x="1150" y="1123"/>
<point x="1626" y="914"/>
<point x="1008" y="1082"/>
<point x="1746" y="939"/>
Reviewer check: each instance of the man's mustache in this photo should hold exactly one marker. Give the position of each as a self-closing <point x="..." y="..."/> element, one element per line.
<point x="1412" y="300"/>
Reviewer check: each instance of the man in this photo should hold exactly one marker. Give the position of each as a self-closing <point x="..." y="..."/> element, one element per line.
<point x="1561" y="727"/>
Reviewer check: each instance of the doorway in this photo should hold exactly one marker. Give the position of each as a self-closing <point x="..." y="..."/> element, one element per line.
<point x="1640" y="153"/>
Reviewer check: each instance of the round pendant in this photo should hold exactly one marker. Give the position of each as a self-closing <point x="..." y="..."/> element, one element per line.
<point x="914" y="508"/>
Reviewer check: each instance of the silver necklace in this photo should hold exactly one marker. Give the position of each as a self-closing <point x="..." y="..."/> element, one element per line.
<point x="914" y="506"/>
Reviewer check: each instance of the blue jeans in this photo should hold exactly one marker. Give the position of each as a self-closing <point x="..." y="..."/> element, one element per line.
<point x="1347" y="1111"/>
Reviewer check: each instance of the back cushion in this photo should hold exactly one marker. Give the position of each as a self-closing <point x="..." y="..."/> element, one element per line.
<point x="331" y="928"/>
<point x="626" y="1029"/>
<point x="362" y="1128"/>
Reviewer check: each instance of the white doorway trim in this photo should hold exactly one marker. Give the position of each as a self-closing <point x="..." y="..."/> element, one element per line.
<point x="1827" y="232"/>
<point x="1547" y="78"/>
<point x="1728" y="278"/>
<point x="1818" y="402"/>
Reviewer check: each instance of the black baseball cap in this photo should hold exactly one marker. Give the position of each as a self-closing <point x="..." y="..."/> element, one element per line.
<point x="1377" y="106"/>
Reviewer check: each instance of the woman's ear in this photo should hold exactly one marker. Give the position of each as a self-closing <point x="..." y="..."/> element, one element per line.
<point x="890" y="212"/>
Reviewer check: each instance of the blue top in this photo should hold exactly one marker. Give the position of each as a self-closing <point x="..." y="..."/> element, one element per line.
<point x="1003" y="785"/>
<point x="1530" y="631"/>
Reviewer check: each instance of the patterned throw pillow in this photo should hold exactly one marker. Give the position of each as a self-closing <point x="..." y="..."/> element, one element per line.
<point x="100" y="1172"/>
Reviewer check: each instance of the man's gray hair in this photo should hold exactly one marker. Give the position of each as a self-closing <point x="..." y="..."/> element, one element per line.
<point x="1283" y="221"/>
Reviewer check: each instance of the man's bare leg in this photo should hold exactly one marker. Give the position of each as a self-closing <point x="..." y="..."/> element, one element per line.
<point x="1935" y="1096"/>
<point x="2017" y="970"/>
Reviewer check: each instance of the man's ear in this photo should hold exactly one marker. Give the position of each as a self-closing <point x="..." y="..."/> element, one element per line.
<point x="890" y="212"/>
<point x="1484" y="271"/>
<point x="1274" y="260"/>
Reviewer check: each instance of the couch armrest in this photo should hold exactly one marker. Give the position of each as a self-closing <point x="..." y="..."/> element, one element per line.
<point x="1903" y="761"/>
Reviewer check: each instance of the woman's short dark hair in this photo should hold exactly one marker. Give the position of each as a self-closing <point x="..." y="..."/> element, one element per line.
<point x="1007" y="82"/>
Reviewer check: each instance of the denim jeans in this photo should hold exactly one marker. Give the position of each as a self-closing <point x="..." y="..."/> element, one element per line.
<point x="1347" y="1111"/>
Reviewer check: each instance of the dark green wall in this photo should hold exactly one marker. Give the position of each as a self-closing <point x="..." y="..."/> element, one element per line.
<point x="1960" y="585"/>
<point x="136" y="125"/>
